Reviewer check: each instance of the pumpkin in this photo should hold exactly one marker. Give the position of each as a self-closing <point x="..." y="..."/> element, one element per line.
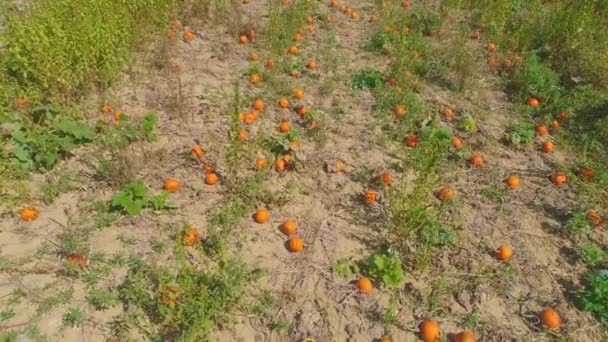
<point x="254" y="78"/>
<point x="533" y="102"/>
<point x="594" y="218"/>
<point x="312" y="64"/>
<point x="28" y="214"/>
<point x="294" y="73"/>
<point x="289" y="227"/>
<point x="491" y="47"/>
<point x="429" y="331"/>
<point x="504" y="252"/>
<point x="563" y="115"/>
<point x="170" y="295"/>
<point x="550" y="318"/>
<point x="476" y="35"/>
<point x="254" y="56"/>
<point x="249" y="118"/>
<point x="448" y="113"/>
<point x="298" y="93"/>
<point x="279" y="165"/>
<point x="370" y="197"/>
<point x="78" y="260"/>
<point x="333" y="3"/>
<point x="541" y="130"/>
<point x="365" y="285"/>
<point x="211" y="178"/>
<point x="294" y="144"/>
<point x="457" y="143"/>
<point x="354" y="15"/>
<point x="188" y="36"/>
<point x="171" y="34"/>
<point x="547" y="147"/>
<point x="512" y="182"/>
<point x="287" y="157"/>
<point x="411" y="141"/>
<point x="244" y="39"/>
<point x="373" y="18"/>
<point x="343" y="8"/>
<point x="492" y="62"/>
<point x="261" y="163"/>
<point x="386" y="339"/>
<point x="339" y="166"/>
<point x="476" y="160"/>
<point x="559" y="178"/>
<point x="311" y="28"/>
<point x="118" y="114"/>
<point x="261" y="216"/>
<point x="295" y="244"/>
<point x="283" y="103"/>
<point x="399" y="111"/>
<point x="555" y="124"/>
<point x="197" y="151"/>
<point x="405" y="4"/>
<point x="270" y="63"/>
<point x="172" y="184"/>
<point x="242" y="135"/>
<point x="407" y="74"/>
<point x="293" y="50"/>
<point x="386" y="178"/>
<point x="518" y="58"/>
<point x="191" y="236"/>
<point x="106" y="108"/>
<point x="313" y="124"/>
<point x="391" y="81"/>
<point x="301" y="110"/>
<point x="586" y="172"/>
<point x="309" y="20"/>
<point x="297" y="37"/>
<point x="258" y="104"/>
<point x="284" y="126"/>
<point x="446" y="193"/>
<point x="464" y="336"/>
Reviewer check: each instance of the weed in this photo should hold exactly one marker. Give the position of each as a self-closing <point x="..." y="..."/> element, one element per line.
<point x="367" y="78"/>
<point x="593" y="255"/>
<point x="74" y="317"/>
<point x="54" y="188"/>
<point x="101" y="299"/>
<point x="345" y="268"/>
<point x="494" y="193"/>
<point x="470" y="321"/>
<point x="578" y="223"/>
<point x="385" y="267"/>
<point x="594" y="296"/>
<point x="61" y="297"/>
<point x="135" y="196"/>
<point x="520" y="134"/>
<point x="6" y="314"/>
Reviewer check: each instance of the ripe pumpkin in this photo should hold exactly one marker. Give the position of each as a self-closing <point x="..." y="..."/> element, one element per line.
<point x="457" y="143"/>
<point x="197" y="151"/>
<point x="429" y="331"/>
<point x="117" y="114"/>
<point x="191" y="236"/>
<point x="391" y="81"/>
<point x="254" y="56"/>
<point x="242" y="135"/>
<point x="411" y="141"/>
<point x="309" y="20"/>
<point x="547" y="147"/>
<point x="289" y="227"/>
<point x="542" y="130"/>
<point x="373" y="18"/>
<point x="261" y="163"/>
<point x="386" y="178"/>
<point x="550" y="318"/>
<point x="295" y="244"/>
<point x="28" y="214"/>
<point x="354" y="15"/>
<point x="78" y="260"/>
<point x="172" y="184"/>
<point x="258" y="104"/>
<point x="293" y="50"/>
<point x="312" y="64"/>
<point x="476" y="35"/>
<point x="171" y="34"/>
<point x="446" y="193"/>
<point x="513" y="182"/>
<point x="465" y="336"/>
<point x="563" y="115"/>
<point x="586" y="172"/>
<point x="533" y="102"/>
<point x="311" y="28"/>
<point x="284" y="126"/>
<point x="399" y="111"/>
<point x="254" y="78"/>
<point x="448" y="113"/>
<point x="594" y="218"/>
<point x="170" y="295"/>
<point x="339" y="166"/>
<point x="261" y="216"/>
<point x="106" y="108"/>
<point x="249" y="118"/>
<point x="244" y="39"/>
<point x="299" y="94"/>
<point x="559" y="178"/>
<point x="491" y="47"/>
<point x="555" y="124"/>
<point x="301" y="110"/>
<point x="188" y="36"/>
<point x="370" y="197"/>
<point x="294" y="73"/>
<point x="211" y="179"/>
<point x="386" y="339"/>
<point x="504" y="252"/>
<point x="284" y="103"/>
<point x="294" y="144"/>
<point x="476" y="160"/>
<point x="507" y="63"/>
<point x="297" y="37"/>
<point x="365" y="285"/>
<point x="279" y="165"/>
<point x="287" y="157"/>
<point x="493" y="62"/>
<point x="405" y="4"/>
<point x="333" y="3"/>
<point x="270" y="63"/>
<point x="343" y="8"/>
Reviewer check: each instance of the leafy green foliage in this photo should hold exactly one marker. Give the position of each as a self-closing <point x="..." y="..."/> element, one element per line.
<point x="120" y="135"/>
<point x="594" y="296"/>
<point x="135" y="196"/>
<point x="536" y="79"/>
<point x="578" y="223"/>
<point x="367" y="78"/>
<point x="520" y="134"/>
<point x="74" y="317"/>
<point x="279" y="144"/>
<point x="385" y="267"/>
<point x="345" y="267"/>
<point x="593" y="255"/>
<point x="102" y="299"/>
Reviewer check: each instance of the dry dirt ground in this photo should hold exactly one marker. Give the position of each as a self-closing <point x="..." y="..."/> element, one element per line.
<point x="195" y="103"/>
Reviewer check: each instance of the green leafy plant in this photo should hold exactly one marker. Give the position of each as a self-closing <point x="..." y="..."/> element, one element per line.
<point x="116" y="136"/>
<point x="520" y="134"/>
<point x="74" y="317"/>
<point x="385" y="267"/>
<point x="367" y="78"/>
<point x="578" y="223"/>
<point x="279" y="144"/>
<point x="345" y="267"/>
<point x="594" y="296"/>
<point x="135" y="196"/>
<point x="102" y="299"/>
<point x="592" y="254"/>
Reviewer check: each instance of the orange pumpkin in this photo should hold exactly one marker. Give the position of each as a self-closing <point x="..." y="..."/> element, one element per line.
<point x="399" y="111"/>
<point x="339" y="166"/>
<point x="533" y="102"/>
<point x="293" y="50"/>
<point x="405" y="4"/>
<point x="559" y="178"/>
<point x="279" y="165"/>
<point x="258" y="104"/>
<point x="295" y="244"/>
<point x="586" y="172"/>
<point x="261" y="216"/>
<point x="301" y="110"/>
<point x="284" y="126"/>
<point x="429" y="331"/>
<point x="541" y="130"/>
<point x="172" y="184"/>
<point x="547" y="147"/>
<point x="270" y="63"/>
<point x="457" y="143"/>
<point x="550" y="318"/>
<point x="106" y="108"/>
<point x="411" y="141"/>
<point x="298" y="93"/>
<point x="294" y="73"/>
<point x="78" y="260"/>
<point x="504" y="252"/>
<point x="370" y="197"/>
<point x="191" y="236"/>
<point x="448" y="113"/>
<point x="29" y="214"/>
<point x="465" y="336"/>
<point x="512" y="182"/>
<point x="386" y="339"/>
<point x="365" y="285"/>
<point x="594" y="218"/>
<point x="289" y="227"/>
<point x="261" y="163"/>
<point x="244" y="39"/>
<point x="198" y="151"/>
<point x="491" y="47"/>
<point x="446" y="193"/>
<point x="254" y="78"/>
<point x="386" y="178"/>
<point x="297" y="37"/>
<point x="211" y="179"/>
<point x="312" y="64"/>
<point x="555" y="124"/>
<point x="476" y="160"/>
<point x="476" y="35"/>
<point x="188" y="36"/>
<point x="254" y="56"/>
<point x="242" y="135"/>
